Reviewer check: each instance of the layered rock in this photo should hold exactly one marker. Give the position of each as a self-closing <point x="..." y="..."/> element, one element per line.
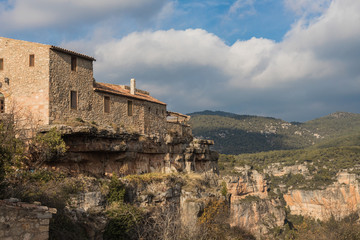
<point x="104" y="151"/>
<point x="338" y="200"/>
<point x="251" y="207"/>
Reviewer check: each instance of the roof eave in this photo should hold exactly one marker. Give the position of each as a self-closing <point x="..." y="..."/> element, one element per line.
<point x="133" y="97"/>
<point x="59" y="49"/>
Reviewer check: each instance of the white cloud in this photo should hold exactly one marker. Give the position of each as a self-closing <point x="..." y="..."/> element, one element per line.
<point x="301" y="7"/>
<point x="319" y="59"/>
<point x="242" y="8"/>
<point x="22" y="14"/>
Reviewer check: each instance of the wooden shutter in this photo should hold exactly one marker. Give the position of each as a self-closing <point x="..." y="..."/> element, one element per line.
<point x="130" y="108"/>
<point x="73" y="100"/>
<point x="31" y="60"/>
<point x="106" y="104"/>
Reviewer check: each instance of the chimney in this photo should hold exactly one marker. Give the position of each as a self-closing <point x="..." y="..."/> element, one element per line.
<point x="132" y="86"/>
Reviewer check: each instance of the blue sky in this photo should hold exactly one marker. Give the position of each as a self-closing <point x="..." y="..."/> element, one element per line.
<point x="291" y="59"/>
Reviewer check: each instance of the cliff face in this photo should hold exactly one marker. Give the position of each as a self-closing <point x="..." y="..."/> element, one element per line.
<point x="102" y="152"/>
<point x="250" y="205"/>
<point x="255" y="202"/>
<point x="339" y="199"/>
<point x="251" y="202"/>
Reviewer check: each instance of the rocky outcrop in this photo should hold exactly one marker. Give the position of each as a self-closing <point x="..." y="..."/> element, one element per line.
<point x="104" y="151"/>
<point x="258" y="216"/>
<point x="251" y="207"/>
<point x="277" y="170"/>
<point x="338" y="200"/>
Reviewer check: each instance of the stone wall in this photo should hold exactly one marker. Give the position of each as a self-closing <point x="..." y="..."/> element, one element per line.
<point x="147" y="117"/>
<point x="27" y="91"/>
<point x="64" y="80"/>
<point x="24" y="221"/>
<point x="154" y="118"/>
<point x="40" y="94"/>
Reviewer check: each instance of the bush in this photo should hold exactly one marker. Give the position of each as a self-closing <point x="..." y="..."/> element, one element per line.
<point x="116" y="190"/>
<point x="124" y="219"/>
<point x="47" y="147"/>
<point x="11" y="149"/>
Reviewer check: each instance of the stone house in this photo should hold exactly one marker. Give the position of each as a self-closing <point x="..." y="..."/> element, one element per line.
<point x="51" y="85"/>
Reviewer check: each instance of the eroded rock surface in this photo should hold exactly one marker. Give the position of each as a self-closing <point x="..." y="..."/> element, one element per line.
<point x="339" y="199"/>
<point x="106" y="151"/>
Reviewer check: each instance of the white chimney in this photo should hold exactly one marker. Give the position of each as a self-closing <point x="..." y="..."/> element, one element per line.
<point x="132" y="86"/>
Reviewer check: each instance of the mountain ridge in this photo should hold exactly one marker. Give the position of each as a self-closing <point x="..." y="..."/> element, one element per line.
<point x="236" y="134"/>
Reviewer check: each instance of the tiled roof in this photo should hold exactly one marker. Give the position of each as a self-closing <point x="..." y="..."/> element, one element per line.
<point x="120" y="90"/>
<point x="72" y="53"/>
<point x="169" y="113"/>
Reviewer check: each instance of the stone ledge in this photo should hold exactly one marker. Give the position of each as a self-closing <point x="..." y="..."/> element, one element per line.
<point x="16" y="203"/>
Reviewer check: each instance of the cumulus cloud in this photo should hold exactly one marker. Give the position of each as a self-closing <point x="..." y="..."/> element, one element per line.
<point x="23" y="14"/>
<point x="313" y="70"/>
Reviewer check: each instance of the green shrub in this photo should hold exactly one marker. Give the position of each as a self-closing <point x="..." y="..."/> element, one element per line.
<point x="224" y="190"/>
<point x="47" y="147"/>
<point x="116" y="190"/>
<point x="11" y="149"/>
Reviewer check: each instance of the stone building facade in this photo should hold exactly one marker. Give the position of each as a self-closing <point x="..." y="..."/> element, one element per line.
<point x="45" y="85"/>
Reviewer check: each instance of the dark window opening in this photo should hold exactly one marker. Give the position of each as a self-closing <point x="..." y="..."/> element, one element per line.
<point x="73" y="63"/>
<point x="2" y="103"/>
<point x="73" y="100"/>
<point x="130" y="108"/>
<point x="106" y="104"/>
<point x="1" y="64"/>
<point x="149" y="109"/>
<point x="31" y="60"/>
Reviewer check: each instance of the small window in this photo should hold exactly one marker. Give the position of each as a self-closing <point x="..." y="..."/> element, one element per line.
<point x="73" y="100"/>
<point x="1" y="64"/>
<point x="130" y="108"/>
<point x="73" y="63"/>
<point x="2" y="103"/>
<point x="106" y="104"/>
<point x="31" y="60"/>
<point x="149" y="109"/>
<point x="157" y="111"/>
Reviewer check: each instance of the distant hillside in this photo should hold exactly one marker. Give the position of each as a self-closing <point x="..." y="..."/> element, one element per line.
<point x="235" y="134"/>
<point x="335" y="125"/>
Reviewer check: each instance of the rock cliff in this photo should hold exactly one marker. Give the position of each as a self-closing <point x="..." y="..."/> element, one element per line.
<point x="338" y="200"/>
<point x="105" y="151"/>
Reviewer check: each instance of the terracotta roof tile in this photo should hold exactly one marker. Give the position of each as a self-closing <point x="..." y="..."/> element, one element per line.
<point x="120" y="90"/>
<point x="72" y="53"/>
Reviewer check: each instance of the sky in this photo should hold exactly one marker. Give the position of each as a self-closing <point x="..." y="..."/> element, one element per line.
<point x="291" y="59"/>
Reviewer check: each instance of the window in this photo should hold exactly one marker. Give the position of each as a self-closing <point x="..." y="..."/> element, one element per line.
<point x="2" y="103"/>
<point x="106" y="104"/>
<point x="31" y="60"/>
<point x="1" y="64"/>
<point x="130" y="108"/>
<point x="73" y="100"/>
<point x="73" y="63"/>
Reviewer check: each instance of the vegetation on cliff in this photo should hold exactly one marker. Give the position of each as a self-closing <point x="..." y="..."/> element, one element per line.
<point x="303" y="228"/>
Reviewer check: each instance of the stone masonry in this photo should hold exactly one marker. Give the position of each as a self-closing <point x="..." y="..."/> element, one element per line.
<point x="24" y="221"/>
<point x="59" y="87"/>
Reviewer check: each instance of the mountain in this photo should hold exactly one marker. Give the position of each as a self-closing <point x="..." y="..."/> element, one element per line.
<point x="235" y="134"/>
